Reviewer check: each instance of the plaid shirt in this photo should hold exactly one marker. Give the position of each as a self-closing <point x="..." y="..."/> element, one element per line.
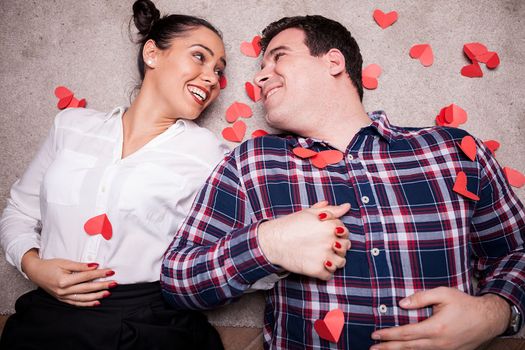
<point x="409" y="231"/>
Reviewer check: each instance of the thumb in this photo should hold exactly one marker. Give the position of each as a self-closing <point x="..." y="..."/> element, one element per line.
<point x="320" y="204"/>
<point x="340" y="210"/>
<point x="425" y="298"/>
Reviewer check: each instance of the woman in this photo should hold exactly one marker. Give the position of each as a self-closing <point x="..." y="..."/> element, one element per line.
<point x="90" y="219"/>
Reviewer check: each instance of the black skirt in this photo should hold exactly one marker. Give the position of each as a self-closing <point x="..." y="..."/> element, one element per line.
<point x="133" y="317"/>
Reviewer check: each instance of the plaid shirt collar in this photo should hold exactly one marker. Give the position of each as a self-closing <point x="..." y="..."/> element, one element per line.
<point x="379" y="126"/>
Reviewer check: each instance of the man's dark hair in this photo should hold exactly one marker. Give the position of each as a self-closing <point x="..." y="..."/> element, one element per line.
<point x="322" y="34"/>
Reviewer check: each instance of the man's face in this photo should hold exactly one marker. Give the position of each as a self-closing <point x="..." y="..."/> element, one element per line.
<point x="291" y="80"/>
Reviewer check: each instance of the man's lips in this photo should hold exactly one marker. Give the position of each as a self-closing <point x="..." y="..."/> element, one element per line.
<point x="270" y="89"/>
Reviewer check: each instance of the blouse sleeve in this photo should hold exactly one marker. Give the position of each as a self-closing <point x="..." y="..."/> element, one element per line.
<point x="21" y="220"/>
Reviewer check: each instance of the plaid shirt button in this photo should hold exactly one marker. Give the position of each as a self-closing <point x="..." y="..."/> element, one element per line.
<point x="375" y="251"/>
<point x="365" y="199"/>
<point x="383" y="309"/>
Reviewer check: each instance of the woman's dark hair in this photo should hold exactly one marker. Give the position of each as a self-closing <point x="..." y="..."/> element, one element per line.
<point x="161" y="30"/>
<point x="321" y="35"/>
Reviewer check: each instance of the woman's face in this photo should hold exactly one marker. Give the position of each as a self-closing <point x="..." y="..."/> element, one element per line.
<point x="186" y="75"/>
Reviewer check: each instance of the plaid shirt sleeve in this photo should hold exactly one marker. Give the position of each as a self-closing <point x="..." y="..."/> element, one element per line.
<point x="215" y="256"/>
<point x="498" y="234"/>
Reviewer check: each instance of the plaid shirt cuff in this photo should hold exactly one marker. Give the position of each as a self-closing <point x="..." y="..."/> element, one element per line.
<point x="508" y="290"/>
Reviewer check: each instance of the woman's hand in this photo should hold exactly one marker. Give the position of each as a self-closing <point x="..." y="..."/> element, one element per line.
<point x="68" y="281"/>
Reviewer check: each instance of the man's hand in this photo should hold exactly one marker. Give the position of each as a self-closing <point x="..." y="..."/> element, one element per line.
<point x="68" y="281"/>
<point x="312" y="242"/>
<point x="459" y="321"/>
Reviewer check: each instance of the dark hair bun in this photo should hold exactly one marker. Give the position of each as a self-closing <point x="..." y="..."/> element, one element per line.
<point x="144" y="15"/>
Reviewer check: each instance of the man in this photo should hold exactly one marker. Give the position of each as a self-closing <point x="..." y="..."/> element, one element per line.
<point x="280" y="212"/>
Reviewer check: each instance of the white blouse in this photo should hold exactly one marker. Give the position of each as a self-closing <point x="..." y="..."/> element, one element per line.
<point x="78" y="174"/>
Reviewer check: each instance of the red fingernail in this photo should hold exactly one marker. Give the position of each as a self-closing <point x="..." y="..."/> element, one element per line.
<point x="110" y="273"/>
<point x="106" y="294"/>
<point x="337" y="245"/>
<point x="92" y="265"/>
<point x="328" y="263"/>
<point x="323" y="216"/>
<point x="339" y="230"/>
<point x="112" y="285"/>
<point x="97" y="303"/>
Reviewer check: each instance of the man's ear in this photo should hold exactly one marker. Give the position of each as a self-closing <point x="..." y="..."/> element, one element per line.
<point x="336" y="61"/>
<point x="150" y="53"/>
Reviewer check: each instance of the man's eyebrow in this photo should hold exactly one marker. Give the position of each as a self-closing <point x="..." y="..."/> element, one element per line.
<point x="210" y="52"/>
<point x="273" y="51"/>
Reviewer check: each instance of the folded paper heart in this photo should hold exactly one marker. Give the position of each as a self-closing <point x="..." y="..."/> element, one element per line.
<point x="319" y="159"/>
<point x="472" y="50"/>
<point x="451" y="115"/>
<point x="424" y="53"/>
<point x="66" y="99"/>
<point x="369" y="76"/>
<point x="385" y="20"/>
<point x="472" y="70"/>
<point x="331" y="326"/>
<point x="237" y="110"/>
<point x="236" y="132"/>
<point x="259" y="133"/>
<point x="460" y="187"/>
<point x="514" y="177"/>
<point x="99" y="224"/>
<point x="492" y="145"/>
<point x="223" y="82"/>
<point x="468" y="146"/>
<point x="253" y="48"/>
<point x="253" y="91"/>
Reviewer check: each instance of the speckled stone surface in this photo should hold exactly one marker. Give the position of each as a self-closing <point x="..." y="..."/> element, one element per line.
<point x="85" y="46"/>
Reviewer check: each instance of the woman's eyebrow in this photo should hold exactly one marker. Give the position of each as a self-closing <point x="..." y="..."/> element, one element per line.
<point x="210" y="52"/>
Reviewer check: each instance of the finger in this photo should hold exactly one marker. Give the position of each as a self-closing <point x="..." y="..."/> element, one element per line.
<point x="81" y="303"/>
<point x="320" y="204"/>
<point x="426" y="298"/>
<point x="77" y="266"/>
<point x="87" y="297"/>
<point x="341" y="246"/>
<point x="87" y="276"/>
<point x="341" y="231"/>
<point x="90" y="287"/>
<point x="422" y="330"/>
<point x="330" y="266"/>
<point x="412" y="344"/>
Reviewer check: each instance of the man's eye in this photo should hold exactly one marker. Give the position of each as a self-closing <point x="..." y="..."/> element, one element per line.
<point x="277" y="56"/>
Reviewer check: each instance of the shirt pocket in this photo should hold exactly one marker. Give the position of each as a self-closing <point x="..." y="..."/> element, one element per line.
<point x="63" y="179"/>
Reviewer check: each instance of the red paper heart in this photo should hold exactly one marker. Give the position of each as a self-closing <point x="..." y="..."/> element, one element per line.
<point x="99" y="224"/>
<point x="331" y="156"/>
<point x="385" y="20"/>
<point x="223" y="82"/>
<point x="236" y="132"/>
<point x="64" y="102"/>
<point x="252" y="49"/>
<point x="474" y="49"/>
<point x="514" y="177"/>
<point x="331" y="326"/>
<point x="370" y="75"/>
<point x="460" y="187"/>
<point x="451" y="115"/>
<point x="303" y="152"/>
<point x="492" y="145"/>
<point x="82" y="103"/>
<point x="62" y="91"/>
<point x="468" y="146"/>
<point x="253" y="91"/>
<point x="236" y="110"/>
<point x="493" y="61"/>
<point x="259" y="133"/>
<point x="472" y="70"/>
<point x="424" y="53"/>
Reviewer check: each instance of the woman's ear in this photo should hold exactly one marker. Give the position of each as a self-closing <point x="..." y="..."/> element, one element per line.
<point x="150" y="53"/>
<point x="336" y="61"/>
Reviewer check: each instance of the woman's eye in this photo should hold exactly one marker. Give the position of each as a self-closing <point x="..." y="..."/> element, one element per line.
<point x="199" y="56"/>
<point x="219" y="72"/>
